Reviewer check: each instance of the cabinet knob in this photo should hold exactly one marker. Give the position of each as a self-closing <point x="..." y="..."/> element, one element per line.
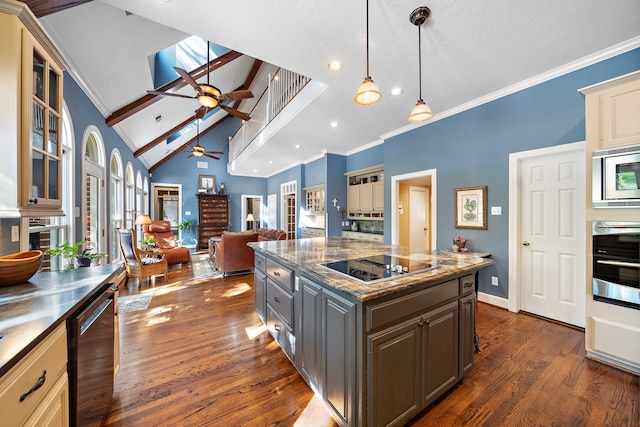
<point x="276" y="299"/>
<point x="33" y="201"/>
<point x="525" y="243"/>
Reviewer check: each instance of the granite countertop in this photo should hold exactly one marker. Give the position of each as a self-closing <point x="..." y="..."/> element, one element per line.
<point x="307" y="254"/>
<point x="31" y="310"/>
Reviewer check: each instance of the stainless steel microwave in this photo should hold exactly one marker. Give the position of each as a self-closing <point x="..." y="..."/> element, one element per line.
<point x="616" y="177"/>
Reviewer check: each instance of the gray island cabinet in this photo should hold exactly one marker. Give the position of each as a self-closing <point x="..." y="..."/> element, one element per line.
<point x="377" y="353"/>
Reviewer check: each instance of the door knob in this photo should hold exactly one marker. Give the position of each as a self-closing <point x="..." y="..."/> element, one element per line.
<point x="525" y="243"/>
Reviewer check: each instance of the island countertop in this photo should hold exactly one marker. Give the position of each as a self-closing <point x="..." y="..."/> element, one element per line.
<point x="307" y="255"/>
<point x="31" y="310"/>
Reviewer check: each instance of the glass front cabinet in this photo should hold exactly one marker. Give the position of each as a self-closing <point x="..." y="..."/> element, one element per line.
<point x="31" y="75"/>
<point x="41" y="157"/>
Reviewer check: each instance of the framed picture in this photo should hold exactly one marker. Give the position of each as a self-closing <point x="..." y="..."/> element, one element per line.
<point x="207" y="183"/>
<point x="471" y="207"/>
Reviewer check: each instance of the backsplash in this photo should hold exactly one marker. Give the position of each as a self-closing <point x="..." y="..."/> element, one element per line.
<point x="368" y="226"/>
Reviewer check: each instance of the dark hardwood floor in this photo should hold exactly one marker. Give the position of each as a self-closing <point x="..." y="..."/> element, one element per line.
<point x="198" y="356"/>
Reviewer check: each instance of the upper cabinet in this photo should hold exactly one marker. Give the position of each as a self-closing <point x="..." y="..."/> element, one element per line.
<point x="315" y="199"/>
<point x="32" y="80"/>
<point x="612" y="112"/>
<point x="365" y="193"/>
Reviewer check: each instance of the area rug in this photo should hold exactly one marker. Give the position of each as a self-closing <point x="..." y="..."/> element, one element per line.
<point x="203" y="268"/>
<point x="130" y="303"/>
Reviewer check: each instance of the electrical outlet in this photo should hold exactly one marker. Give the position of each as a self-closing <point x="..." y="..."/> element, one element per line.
<point x="494" y="280"/>
<point x="15" y="233"/>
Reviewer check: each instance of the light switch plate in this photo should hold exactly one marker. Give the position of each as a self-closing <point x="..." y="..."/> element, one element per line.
<point x="496" y="210"/>
<point x="15" y="233"/>
<point x="187" y="213"/>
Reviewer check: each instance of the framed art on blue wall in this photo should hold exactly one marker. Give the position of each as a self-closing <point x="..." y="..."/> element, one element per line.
<point x="471" y="207"/>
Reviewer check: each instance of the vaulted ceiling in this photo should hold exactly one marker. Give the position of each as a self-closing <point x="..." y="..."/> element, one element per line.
<point x="471" y="51"/>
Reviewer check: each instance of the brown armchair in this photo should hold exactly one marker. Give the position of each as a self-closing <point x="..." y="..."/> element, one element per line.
<point x="140" y="264"/>
<point x="166" y="242"/>
<point x="232" y="252"/>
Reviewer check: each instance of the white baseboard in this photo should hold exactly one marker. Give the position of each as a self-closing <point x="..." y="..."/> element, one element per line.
<point x="493" y="300"/>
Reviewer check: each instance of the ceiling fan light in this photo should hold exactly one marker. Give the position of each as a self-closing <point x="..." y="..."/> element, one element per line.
<point x="197" y="151"/>
<point x="420" y="113"/>
<point x="207" y="100"/>
<point x="211" y="90"/>
<point x="368" y="93"/>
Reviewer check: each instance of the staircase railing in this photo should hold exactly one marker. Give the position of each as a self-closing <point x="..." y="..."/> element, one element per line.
<point x="283" y="86"/>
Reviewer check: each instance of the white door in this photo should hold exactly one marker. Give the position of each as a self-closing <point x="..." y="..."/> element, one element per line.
<point x="552" y="237"/>
<point x="419" y="218"/>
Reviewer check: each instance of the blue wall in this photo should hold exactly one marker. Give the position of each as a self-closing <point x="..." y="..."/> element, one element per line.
<point x="182" y="169"/>
<point x="84" y="114"/>
<point x="336" y="187"/>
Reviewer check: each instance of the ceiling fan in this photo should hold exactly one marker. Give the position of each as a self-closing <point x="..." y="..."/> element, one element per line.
<point x="198" y="150"/>
<point x="209" y="96"/>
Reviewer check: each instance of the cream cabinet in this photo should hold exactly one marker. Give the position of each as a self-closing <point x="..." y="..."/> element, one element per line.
<point x="365" y="194"/>
<point x="315" y="199"/>
<point x="31" y="110"/>
<point x="612" y="112"/>
<point x="36" y="388"/>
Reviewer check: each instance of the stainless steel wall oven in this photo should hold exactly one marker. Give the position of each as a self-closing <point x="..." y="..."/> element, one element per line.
<point x="616" y="263"/>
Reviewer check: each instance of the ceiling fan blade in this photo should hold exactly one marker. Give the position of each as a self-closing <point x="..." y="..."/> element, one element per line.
<point x="178" y="95"/>
<point x="235" y="95"/>
<point x="212" y="157"/>
<point x="200" y="112"/>
<point x="187" y="78"/>
<point x="235" y="112"/>
<point x="215" y="152"/>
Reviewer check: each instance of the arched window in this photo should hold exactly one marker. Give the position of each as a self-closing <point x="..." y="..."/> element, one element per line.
<point x="129" y="196"/>
<point x="116" y="185"/>
<point x="94" y="199"/>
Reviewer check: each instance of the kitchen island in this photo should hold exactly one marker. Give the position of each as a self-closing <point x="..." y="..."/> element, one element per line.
<point x="377" y="352"/>
<point x="33" y="341"/>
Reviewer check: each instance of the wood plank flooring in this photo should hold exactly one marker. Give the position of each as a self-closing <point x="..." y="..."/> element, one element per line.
<point x="199" y="356"/>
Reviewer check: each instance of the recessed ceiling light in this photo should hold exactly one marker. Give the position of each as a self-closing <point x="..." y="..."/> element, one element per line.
<point x="270" y="162"/>
<point x="395" y="91"/>
<point x="335" y="65"/>
<point x="298" y="145"/>
<point x="255" y="171"/>
<point x="333" y="124"/>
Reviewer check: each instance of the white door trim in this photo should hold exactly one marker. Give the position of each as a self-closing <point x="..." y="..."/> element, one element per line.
<point x="395" y="190"/>
<point x="515" y="160"/>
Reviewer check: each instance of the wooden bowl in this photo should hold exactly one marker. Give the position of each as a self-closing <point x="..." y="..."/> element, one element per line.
<point x="19" y="267"/>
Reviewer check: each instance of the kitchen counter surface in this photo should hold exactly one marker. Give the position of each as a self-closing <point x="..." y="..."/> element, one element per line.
<point x="31" y="310"/>
<point x="307" y="254"/>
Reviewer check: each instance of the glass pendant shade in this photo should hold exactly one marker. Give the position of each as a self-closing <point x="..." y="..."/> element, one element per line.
<point x="420" y="113"/>
<point x="368" y="93"/>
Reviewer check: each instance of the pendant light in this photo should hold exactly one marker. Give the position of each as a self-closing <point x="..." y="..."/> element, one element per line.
<point x="368" y="93"/>
<point x="421" y="112"/>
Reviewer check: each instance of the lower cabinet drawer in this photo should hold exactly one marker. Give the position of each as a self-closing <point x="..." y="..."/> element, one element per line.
<point x="41" y="367"/>
<point x="280" y="274"/>
<point x="280" y="300"/>
<point x="281" y="332"/>
<point x="260" y="262"/>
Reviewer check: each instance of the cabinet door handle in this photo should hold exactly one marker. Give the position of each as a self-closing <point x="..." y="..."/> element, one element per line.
<point x="276" y="327"/>
<point x="276" y="299"/>
<point x="34" y="201"/>
<point x="39" y="384"/>
<point x="276" y="273"/>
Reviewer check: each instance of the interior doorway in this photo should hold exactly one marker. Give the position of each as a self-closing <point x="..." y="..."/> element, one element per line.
<point x="410" y="216"/>
<point x="252" y="205"/>
<point x="167" y="204"/>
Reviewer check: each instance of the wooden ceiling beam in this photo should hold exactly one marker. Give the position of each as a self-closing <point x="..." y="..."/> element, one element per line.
<point x="174" y="85"/>
<point x="42" y="8"/>
<point x="250" y="77"/>
<point x="187" y="144"/>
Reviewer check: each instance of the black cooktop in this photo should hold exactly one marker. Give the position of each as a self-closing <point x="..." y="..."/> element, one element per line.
<point x="378" y="267"/>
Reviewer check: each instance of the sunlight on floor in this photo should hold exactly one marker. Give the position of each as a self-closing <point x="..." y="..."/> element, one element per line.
<point x="314" y="415"/>
<point x="168" y="289"/>
<point x="237" y="290"/>
<point x="254" y="331"/>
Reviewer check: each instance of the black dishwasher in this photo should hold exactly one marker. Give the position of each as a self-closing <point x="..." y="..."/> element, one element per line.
<point x="90" y="339"/>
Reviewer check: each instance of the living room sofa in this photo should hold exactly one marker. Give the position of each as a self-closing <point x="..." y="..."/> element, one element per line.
<point x="166" y="242"/>
<point x="232" y="253"/>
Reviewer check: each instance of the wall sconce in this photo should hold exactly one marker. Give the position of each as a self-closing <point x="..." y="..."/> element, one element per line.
<point x="421" y="112"/>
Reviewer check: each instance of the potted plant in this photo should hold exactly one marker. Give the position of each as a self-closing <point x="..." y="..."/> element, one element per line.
<point x="72" y="255"/>
<point x="148" y="243"/>
<point x="186" y="224"/>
